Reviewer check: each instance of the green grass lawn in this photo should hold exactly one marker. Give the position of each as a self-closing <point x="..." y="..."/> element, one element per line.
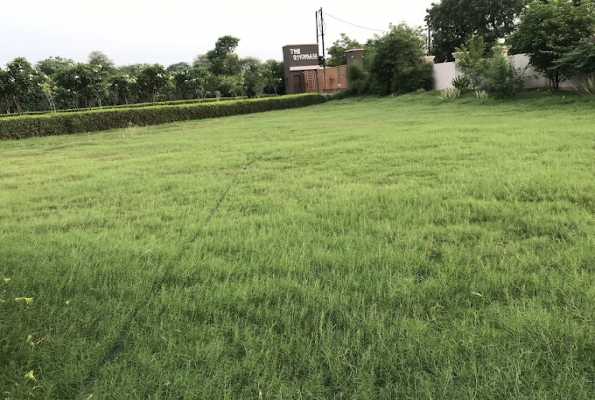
<point x="401" y="248"/>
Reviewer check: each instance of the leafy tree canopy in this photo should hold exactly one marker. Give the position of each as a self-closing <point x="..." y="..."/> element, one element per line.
<point x="549" y="31"/>
<point x="223" y="60"/>
<point x="178" y="67"/>
<point x="152" y="79"/>
<point x="201" y="60"/>
<point x="101" y="61"/>
<point x="51" y="66"/>
<point x="581" y="59"/>
<point x="132" y="69"/>
<point x="472" y="61"/>
<point x="196" y="81"/>
<point x="84" y="82"/>
<point x="225" y="45"/>
<point x="255" y="75"/>
<point x="338" y="49"/>
<point x="19" y="79"/>
<point x="275" y="84"/>
<point x="120" y="86"/>
<point x="452" y="22"/>
<point x="397" y="66"/>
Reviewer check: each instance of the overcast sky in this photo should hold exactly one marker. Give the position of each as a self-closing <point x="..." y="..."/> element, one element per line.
<point x="170" y="31"/>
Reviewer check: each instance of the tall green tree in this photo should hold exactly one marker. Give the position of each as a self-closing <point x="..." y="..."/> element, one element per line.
<point x="231" y="86"/>
<point x="397" y="66"/>
<point x="222" y="59"/>
<point x="51" y="66"/>
<point x="472" y="61"/>
<point x="453" y="22"/>
<point x="338" y="49"/>
<point x="120" y="87"/>
<point x="20" y="79"/>
<point x="275" y="77"/>
<point x="132" y="69"/>
<point x="549" y="31"/>
<point x="201" y="60"/>
<point x="101" y="61"/>
<point x="48" y="89"/>
<point x="194" y="82"/>
<point x="4" y="99"/>
<point x="151" y="80"/>
<point x="580" y="59"/>
<point x="255" y="76"/>
<point x="84" y="82"/>
<point x="179" y="67"/>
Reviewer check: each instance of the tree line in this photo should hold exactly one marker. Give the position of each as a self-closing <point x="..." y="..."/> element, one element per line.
<point x="557" y="35"/>
<point x="392" y="62"/>
<point x="60" y="83"/>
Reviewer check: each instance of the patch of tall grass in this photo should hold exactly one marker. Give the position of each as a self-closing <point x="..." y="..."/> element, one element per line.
<point x="364" y="248"/>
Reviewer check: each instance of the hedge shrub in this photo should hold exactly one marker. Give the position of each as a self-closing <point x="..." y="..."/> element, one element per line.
<point x="91" y="121"/>
<point x="137" y="105"/>
<point x="266" y="96"/>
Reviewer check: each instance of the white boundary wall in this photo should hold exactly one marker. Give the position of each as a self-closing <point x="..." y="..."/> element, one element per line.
<point x="444" y="74"/>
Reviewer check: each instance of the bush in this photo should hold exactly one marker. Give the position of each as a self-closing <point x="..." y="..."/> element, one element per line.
<point x="588" y="86"/>
<point x="495" y="75"/>
<point x="550" y="30"/>
<point x="502" y="77"/>
<point x="396" y="66"/>
<point x="340" y="95"/>
<point x="580" y="60"/>
<point x="472" y="64"/>
<point x="266" y="96"/>
<point x="449" y="94"/>
<point x="91" y="121"/>
<point x="358" y="79"/>
<point x="413" y="78"/>
<point x="461" y="83"/>
<point x="481" y="95"/>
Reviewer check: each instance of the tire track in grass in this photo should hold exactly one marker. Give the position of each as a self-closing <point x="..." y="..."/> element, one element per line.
<point x="119" y="347"/>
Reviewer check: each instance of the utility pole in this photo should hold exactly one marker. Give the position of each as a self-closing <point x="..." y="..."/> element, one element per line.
<point x="320" y="33"/>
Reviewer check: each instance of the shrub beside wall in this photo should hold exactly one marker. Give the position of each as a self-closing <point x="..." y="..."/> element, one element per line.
<point x="91" y="121"/>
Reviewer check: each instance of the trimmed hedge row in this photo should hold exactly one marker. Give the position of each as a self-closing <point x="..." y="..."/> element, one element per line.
<point x="92" y="121"/>
<point x="167" y="103"/>
<point x="266" y="96"/>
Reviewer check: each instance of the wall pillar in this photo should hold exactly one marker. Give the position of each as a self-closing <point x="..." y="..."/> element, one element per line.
<point x="354" y="55"/>
<point x="457" y="56"/>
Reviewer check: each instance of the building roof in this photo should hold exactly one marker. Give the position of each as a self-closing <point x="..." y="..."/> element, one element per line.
<point x="303" y="44"/>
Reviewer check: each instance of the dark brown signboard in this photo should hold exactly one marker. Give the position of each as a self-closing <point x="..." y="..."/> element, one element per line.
<point x="300" y="55"/>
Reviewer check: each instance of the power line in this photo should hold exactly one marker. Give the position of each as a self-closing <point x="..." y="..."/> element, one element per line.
<point x="358" y="26"/>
